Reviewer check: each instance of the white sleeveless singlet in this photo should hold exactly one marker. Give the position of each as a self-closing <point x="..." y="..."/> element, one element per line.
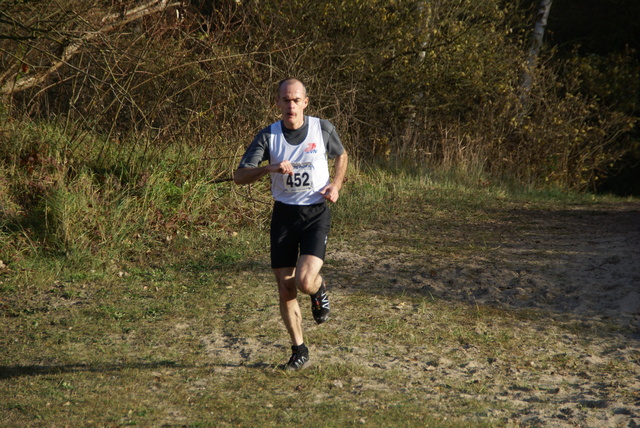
<point x="310" y="166"/>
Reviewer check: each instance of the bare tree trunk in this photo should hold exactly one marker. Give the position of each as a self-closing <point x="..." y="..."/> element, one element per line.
<point x="109" y="23"/>
<point x="544" y="6"/>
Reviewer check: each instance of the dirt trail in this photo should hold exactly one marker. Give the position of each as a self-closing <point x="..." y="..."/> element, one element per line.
<point x="580" y="265"/>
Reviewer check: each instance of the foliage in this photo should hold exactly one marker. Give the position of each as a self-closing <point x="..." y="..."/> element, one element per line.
<point x="428" y="81"/>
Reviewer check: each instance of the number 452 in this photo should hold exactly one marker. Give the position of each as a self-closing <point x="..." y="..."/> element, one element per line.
<point x="298" y="179"/>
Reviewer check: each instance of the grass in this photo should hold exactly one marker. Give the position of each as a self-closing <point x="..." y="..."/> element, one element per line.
<point x="120" y="364"/>
<point x="143" y="350"/>
<point x="153" y="305"/>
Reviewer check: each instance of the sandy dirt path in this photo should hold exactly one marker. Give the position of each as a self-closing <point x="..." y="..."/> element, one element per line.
<point x="579" y="266"/>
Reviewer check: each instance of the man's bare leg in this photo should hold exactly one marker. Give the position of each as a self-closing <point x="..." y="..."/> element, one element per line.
<point x="305" y="277"/>
<point x="289" y="307"/>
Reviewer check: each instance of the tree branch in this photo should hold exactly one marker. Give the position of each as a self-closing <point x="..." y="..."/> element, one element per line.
<point x="110" y="22"/>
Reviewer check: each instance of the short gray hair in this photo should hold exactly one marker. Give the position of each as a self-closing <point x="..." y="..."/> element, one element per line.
<point x="291" y="79"/>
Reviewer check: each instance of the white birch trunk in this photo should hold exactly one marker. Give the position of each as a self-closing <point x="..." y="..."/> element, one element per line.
<point x="544" y="6"/>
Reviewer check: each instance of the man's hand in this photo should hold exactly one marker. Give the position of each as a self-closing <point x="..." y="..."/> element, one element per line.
<point x="283" y="167"/>
<point x="331" y="192"/>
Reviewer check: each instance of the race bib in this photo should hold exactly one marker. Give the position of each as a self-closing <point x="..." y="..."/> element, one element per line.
<point x="301" y="180"/>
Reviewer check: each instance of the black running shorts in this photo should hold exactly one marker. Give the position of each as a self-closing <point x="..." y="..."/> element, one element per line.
<point x="298" y="230"/>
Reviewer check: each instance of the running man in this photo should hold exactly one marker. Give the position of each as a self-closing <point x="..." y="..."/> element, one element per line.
<point x="297" y="148"/>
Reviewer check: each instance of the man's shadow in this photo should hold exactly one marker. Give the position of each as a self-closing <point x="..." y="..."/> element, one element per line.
<point x="11" y="372"/>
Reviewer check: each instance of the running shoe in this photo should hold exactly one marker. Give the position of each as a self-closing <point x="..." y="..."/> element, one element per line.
<point x="320" y="305"/>
<point x="299" y="358"/>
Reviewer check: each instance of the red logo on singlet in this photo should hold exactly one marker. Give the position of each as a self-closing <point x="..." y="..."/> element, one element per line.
<point x="311" y="147"/>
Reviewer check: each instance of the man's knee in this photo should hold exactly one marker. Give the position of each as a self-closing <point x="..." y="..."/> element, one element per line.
<point x="308" y="274"/>
<point x="306" y="285"/>
<point x="287" y="293"/>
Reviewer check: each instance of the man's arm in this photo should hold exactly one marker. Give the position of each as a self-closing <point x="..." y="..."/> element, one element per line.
<point x="251" y="175"/>
<point x="332" y="191"/>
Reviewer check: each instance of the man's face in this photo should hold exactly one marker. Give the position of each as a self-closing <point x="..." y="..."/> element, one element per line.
<point x="292" y="100"/>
